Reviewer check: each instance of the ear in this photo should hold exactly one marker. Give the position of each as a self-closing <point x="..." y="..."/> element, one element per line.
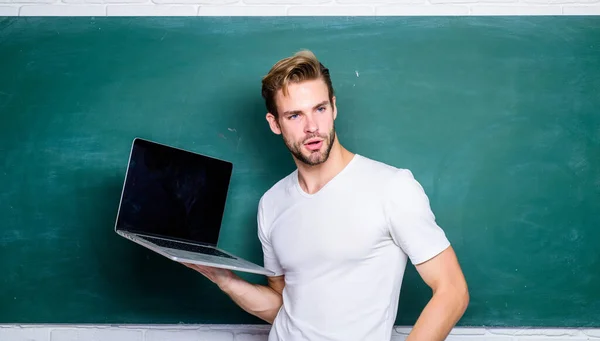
<point x="334" y="108"/>
<point x="273" y="124"/>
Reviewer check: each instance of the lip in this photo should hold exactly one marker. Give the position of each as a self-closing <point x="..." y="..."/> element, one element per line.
<point x="312" y="141"/>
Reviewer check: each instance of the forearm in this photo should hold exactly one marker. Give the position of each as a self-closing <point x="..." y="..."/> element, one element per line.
<point x="258" y="300"/>
<point x="439" y="316"/>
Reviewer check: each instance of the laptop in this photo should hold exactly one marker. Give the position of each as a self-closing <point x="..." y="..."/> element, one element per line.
<point x="173" y="203"/>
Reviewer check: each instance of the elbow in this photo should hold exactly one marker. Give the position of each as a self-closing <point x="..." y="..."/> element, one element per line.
<point x="266" y="315"/>
<point x="457" y="297"/>
<point x="268" y="312"/>
<point x="464" y="300"/>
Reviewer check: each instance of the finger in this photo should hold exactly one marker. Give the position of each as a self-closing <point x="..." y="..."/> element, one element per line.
<point x="193" y="266"/>
<point x="201" y="269"/>
<point x="204" y="270"/>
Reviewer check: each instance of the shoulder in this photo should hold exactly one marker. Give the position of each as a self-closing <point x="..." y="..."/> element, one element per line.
<point x="274" y="196"/>
<point x="278" y="190"/>
<point x="383" y="172"/>
<point x="391" y="183"/>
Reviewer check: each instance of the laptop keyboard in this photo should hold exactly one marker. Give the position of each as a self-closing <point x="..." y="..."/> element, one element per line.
<point x="187" y="247"/>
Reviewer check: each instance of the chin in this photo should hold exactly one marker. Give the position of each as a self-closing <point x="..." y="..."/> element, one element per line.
<point x="316" y="158"/>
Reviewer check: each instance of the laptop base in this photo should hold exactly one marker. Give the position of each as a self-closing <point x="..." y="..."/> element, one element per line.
<point x="235" y="263"/>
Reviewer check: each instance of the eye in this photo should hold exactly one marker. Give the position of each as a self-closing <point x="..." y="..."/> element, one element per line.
<point x="291" y="117"/>
<point x="321" y="109"/>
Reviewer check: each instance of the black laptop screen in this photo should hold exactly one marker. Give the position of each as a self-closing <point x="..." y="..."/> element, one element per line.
<point x="174" y="193"/>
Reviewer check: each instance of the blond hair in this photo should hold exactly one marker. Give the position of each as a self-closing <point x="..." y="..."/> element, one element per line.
<point x="302" y="66"/>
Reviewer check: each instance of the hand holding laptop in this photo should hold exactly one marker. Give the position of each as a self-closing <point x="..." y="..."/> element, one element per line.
<point x="221" y="277"/>
<point x="263" y="301"/>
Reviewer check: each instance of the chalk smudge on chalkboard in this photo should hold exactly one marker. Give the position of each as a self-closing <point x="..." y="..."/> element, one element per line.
<point x="239" y="138"/>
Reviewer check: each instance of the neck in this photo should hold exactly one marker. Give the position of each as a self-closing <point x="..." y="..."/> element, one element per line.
<point x="313" y="178"/>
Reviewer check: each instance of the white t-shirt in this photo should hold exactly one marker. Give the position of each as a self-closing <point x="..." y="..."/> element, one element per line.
<point x="344" y="250"/>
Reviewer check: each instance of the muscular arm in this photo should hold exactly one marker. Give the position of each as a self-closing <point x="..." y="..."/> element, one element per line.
<point x="261" y="301"/>
<point x="450" y="297"/>
<point x="258" y="300"/>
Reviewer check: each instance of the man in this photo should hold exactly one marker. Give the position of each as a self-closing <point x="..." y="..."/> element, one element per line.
<point x="339" y="230"/>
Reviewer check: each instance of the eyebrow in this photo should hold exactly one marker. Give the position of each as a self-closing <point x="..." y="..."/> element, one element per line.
<point x="295" y="112"/>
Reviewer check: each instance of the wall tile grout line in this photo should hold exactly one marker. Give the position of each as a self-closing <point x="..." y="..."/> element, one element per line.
<point x="92" y="332"/>
<point x="297" y="7"/>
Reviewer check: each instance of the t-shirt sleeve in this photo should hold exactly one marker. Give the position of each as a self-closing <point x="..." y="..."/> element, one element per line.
<point x="411" y="220"/>
<point x="270" y="259"/>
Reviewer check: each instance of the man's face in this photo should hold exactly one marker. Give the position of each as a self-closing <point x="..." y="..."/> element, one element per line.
<point x="306" y="121"/>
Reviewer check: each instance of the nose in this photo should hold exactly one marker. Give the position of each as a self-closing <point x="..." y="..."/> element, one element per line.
<point x="310" y="125"/>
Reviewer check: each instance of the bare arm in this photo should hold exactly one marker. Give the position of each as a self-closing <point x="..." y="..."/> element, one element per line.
<point x="261" y="301"/>
<point x="450" y="297"/>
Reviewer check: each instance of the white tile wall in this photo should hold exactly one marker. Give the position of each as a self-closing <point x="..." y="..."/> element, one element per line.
<point x="257" y="333"/>
<point x="296" y="7"/>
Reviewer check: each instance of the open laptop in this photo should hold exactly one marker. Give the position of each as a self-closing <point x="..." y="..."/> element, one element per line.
<point x="173" y="202"/>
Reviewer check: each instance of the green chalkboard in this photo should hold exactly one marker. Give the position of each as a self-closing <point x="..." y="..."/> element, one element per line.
<point x="497" y="117"/>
